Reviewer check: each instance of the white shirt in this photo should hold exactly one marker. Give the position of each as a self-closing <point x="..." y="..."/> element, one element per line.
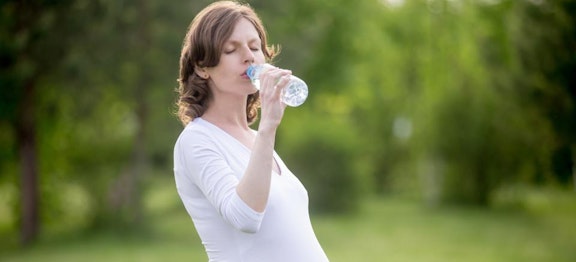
<point x="208" y="164"/>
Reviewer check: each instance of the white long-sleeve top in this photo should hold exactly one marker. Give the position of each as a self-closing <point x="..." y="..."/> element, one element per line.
<point x="208" y="164"/>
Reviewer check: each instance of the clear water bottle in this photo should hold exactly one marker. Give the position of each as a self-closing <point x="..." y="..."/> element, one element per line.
<point x="295" y="92"/>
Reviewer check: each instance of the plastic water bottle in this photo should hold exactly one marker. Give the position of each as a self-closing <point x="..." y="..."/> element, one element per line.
<point x="295" y="92"/>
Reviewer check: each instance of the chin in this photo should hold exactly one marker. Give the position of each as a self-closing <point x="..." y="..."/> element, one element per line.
<point x="253" y="90"/>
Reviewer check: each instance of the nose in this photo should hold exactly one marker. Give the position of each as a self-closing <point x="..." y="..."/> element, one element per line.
<point x="248" y="55"/>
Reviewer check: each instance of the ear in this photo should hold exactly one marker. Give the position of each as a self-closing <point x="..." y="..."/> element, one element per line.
<point x="202" y="72"/>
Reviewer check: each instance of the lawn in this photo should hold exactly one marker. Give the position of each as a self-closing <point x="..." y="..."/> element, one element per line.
<point x="385" y="229"/>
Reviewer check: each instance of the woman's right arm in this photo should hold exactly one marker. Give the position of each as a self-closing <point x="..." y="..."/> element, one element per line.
<point x="254" y="187"/>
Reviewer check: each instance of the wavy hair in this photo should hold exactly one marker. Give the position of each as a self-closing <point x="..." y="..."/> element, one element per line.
<point x="202" y="47"/>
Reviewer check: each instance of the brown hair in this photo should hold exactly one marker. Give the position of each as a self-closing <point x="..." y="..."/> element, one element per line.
<point x="202" y="47"/>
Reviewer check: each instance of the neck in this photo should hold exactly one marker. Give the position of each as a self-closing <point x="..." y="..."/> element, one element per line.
<point x="227" y="113"/>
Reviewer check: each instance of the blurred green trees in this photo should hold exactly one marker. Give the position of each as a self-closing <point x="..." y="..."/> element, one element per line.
<point x="34" y="47"/>
<point x="447" y="100"/>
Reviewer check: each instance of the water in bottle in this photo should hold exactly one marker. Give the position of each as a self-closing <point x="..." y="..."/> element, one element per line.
<point x="295" y="92"/>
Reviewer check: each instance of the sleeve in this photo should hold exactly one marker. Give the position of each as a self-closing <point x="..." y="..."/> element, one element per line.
<point x="211" y="173"/>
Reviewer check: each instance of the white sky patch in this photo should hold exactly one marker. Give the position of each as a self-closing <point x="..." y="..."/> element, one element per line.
<point x="392" y="3"/>
<point x="402" y="128"/>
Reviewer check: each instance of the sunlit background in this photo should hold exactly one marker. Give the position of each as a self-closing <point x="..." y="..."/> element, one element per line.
<point x="439" y="130"/>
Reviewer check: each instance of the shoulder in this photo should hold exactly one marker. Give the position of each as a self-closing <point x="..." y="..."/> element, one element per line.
<point x="196" y="130"/>
<point x="194" y="135"/>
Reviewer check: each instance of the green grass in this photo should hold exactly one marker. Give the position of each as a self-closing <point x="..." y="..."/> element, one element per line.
<point x="396" y="230"/>
<point x="385" y="229"/>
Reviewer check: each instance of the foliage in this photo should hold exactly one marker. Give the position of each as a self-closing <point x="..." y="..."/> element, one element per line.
<point x="546" y="69"/>
<point x="447" y="100"/>
<point x="325" y="163"/>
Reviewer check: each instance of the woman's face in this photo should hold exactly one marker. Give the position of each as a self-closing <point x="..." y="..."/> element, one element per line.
<point x="239" y="51"/>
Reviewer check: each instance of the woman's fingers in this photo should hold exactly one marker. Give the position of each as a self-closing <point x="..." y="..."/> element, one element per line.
<point x="273" y="81"/>
<point x="282" y="82"/>
<point x="272" y="109"/>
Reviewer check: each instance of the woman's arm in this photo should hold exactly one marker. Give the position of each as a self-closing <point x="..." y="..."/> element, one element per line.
<point x="254" y="187"/>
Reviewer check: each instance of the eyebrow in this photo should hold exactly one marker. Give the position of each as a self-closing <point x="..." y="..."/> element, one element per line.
<point x="236" y="42"/>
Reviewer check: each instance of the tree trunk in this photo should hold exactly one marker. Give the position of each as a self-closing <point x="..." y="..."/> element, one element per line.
<point x="140" y="160"/>
<point x="26" y="133"/>
<point x="574" y="165"/>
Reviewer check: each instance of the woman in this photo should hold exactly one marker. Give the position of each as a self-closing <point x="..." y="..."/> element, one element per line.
<point x="245" y="203"/>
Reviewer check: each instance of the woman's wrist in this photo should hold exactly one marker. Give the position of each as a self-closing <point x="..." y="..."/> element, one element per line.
<point x="267" y="130"/>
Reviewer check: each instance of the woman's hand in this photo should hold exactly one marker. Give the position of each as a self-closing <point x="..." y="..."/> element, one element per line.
<point x="272" y="81"/>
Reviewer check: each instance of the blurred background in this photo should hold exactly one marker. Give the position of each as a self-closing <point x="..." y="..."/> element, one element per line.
<point x="439" y="130"/>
